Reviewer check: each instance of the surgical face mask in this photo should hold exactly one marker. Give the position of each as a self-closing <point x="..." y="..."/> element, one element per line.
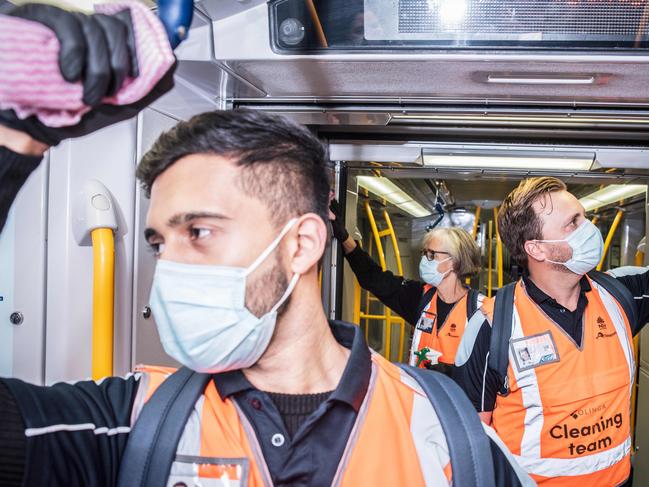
<point x="587" y="245"/>
<point x="428" y="270"/>
<point x="201" y="315"/>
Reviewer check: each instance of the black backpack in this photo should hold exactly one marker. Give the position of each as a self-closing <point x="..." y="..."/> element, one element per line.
<point x="501" y="326"/>
<point x="152" y="443"/>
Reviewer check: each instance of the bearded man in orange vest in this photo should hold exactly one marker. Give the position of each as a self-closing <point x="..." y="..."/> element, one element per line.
<point x="549" y="363"/>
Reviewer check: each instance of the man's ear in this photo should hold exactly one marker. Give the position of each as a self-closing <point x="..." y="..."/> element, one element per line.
<point x="534" y="251"/>
<point x="311" y="242"/>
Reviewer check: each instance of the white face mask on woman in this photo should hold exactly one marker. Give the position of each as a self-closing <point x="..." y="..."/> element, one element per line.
<point x="587" y="246"/>
<point x="201" y="315"/>
<point x="429" y="272"/>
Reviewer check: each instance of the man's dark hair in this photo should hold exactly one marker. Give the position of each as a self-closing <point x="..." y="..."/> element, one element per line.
<point x="283" y="163"/>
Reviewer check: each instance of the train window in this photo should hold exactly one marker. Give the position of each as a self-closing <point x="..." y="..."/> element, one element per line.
<point x="353" y="25"/>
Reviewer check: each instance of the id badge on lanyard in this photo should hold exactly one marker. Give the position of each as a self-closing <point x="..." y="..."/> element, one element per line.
<point x="426" y="322"/>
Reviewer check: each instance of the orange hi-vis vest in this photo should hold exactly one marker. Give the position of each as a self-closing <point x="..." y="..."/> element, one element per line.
<point x="567" y="416"/>
<point x="397" y="438"/>
<point x="444" y="337"/>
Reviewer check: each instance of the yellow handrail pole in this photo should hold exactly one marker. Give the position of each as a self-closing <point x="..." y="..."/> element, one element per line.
<point x="103" y="285"/>
<point x="367" y="300"/>
<point x="595" y="220"/>
<point x="375" y="233"/>
<point x="490" y="259"/>
<point x="397" y="254"/>
<point x="609" y="237"/>
<point x="476" y="223"/>
<point x="379" y="249"/>
<point x="639" y="258"/>
<point x="356" y="317"/>
<point x="315" y="18"/>
<point x="402" y="336"/>
<point x="499" y="250"/>
<point x="388" y="333"/>
<point x="393" y="237"/>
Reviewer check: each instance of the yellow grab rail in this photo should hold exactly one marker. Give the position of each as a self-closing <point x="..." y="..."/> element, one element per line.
<point x="476" y="223"/>
<point x="388" y="318"/>
<point x="609" y="237"/>
<point x="639" y="258"/>
<point x="103" y="285"/>
<point x="499" y="250"/>
<point x="375" y="232"/>
<point x="490" y="259"/>
<point x="393" y="237"/>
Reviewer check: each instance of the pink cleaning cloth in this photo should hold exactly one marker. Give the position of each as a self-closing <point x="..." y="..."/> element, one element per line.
<point x="30" y="80"/>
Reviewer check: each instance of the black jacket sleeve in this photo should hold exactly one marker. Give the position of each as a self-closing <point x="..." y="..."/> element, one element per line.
<point x="73" y="434"/>
<point x="478" y="381"/>
<point x="12" y="440"/>
<point x="14" y="171"/>
<point x="400" y="295"/>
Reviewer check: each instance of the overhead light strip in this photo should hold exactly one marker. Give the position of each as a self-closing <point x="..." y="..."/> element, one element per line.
<point x="386" y="189"/>
<point x="546" y="162"/>
<point x="611" y="194"/>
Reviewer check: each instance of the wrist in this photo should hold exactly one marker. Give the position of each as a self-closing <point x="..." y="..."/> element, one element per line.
<point x="21" y="142"/>
<point x="349" y="245"/>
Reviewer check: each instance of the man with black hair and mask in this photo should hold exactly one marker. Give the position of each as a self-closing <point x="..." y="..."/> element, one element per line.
<point x="238" y="221"/>
<point x="553" y="373"/>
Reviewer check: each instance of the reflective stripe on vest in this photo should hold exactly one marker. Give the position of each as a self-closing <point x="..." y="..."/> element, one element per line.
<point x="567" y="414"/>
<point x="446" y="340"/>
<point x="396" y="426"/>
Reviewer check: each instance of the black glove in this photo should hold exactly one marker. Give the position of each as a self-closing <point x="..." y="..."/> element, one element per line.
<point x="97" y="118"/>
<point x="340" y="232"/>
<point x="98" y="49"/>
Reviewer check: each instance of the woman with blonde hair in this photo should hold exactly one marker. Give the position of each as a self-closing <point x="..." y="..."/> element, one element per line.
<point x="439" y="305"/>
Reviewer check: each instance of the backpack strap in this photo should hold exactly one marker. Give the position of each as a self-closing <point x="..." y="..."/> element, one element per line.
<point x="425" y="299"/>
<point x="501" y="332"/>
<point x="620" y="292"/>
<point x="471" y="302"/>
<point x="152" y="443"/>
<point x="468" y="445"/>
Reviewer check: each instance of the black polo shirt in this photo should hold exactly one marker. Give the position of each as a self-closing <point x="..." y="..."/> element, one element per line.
<point x="312" y="454"/>
<point x="570" y="321"/>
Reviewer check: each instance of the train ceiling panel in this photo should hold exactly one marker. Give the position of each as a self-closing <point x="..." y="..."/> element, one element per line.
<point x="544" y="61"/>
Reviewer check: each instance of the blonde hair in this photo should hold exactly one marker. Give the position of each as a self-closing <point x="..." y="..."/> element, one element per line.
<point x="462" y="249"/>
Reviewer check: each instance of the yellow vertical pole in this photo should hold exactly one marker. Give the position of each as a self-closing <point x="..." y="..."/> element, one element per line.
<point x="476" y="223"/>
<point x="609" y="237"/>
<point x="375" y="232"/>
<point x="639" y="258"/>
<point x="379" y="249"/>
<point x="490" y="259"/>
<point x="393" y="237"/>
<point x="499" y="250"/>
<point x="356" y="318"/>
<point x="397" y="254"/>
<point x="595" y="219"/>
<point x="103" y="286"/>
